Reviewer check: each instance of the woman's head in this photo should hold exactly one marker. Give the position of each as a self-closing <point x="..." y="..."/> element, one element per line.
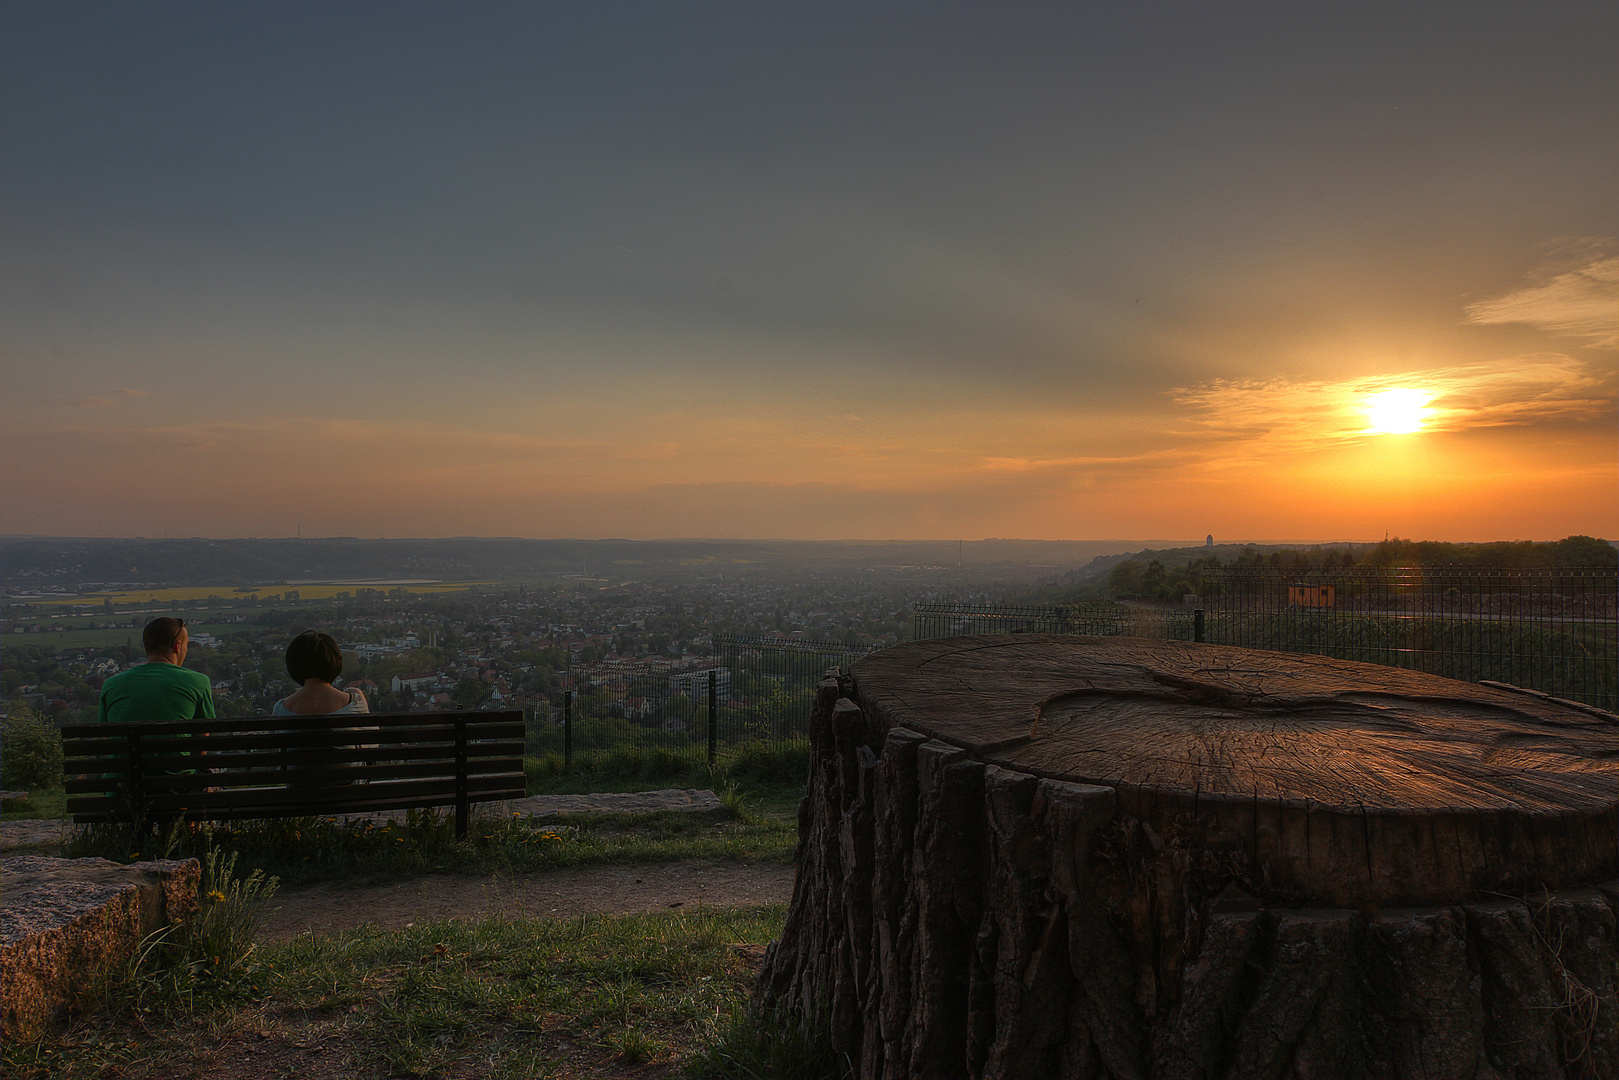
<point x="314" y="655"/>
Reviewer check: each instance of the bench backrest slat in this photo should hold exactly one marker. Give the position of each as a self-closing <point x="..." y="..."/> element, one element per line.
<point x="244" y="767"/>
<point x="305" y="772"/>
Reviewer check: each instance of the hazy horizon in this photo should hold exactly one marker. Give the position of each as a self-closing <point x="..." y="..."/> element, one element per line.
<point x="1143" y="541"/>
<point x="823" y="271"/>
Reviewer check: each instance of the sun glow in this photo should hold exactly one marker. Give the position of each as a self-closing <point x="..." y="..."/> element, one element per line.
<point x="1396" y="412"/>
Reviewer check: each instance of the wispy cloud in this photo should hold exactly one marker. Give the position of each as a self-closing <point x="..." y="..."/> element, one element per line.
<point x="105" y="403"/>
<point x="1576" y="302"/>
<point x="1026" y="464"/>
<point x="1284" y="414"/>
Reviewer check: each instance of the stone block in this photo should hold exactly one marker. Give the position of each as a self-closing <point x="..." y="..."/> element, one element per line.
<point x="65" y="924"/>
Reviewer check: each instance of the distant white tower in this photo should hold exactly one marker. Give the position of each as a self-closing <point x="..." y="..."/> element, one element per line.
<point x="1210" y="541"/>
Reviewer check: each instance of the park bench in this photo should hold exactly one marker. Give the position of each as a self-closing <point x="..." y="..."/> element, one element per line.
<point x="291" y="766"/>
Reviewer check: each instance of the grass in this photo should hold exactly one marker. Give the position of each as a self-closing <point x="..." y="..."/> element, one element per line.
<point x="309" y="849"/>
<point x="495" y="998"/>
<point x="649" y="995"/>
<point x="637" y="768"/>
<point x="49" y="805"/>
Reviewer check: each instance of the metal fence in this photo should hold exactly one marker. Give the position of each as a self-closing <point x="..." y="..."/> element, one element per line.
<point x="1553" y="631"/>
<point x="1547" y="630"/>
<point x="751" y="692"/>
<point x="1105" y="618"/>
<point x="1556" y="631"/>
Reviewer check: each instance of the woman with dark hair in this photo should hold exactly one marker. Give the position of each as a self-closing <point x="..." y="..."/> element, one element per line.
<point x="313" y="661"/>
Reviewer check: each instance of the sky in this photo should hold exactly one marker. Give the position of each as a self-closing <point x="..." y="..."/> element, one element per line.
<point x="809" y="270"/>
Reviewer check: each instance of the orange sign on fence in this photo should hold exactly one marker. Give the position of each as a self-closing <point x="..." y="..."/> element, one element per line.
<point x="1311" y="595"/>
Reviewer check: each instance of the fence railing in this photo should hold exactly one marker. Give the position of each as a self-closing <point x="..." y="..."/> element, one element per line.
<point x="1556" y="631"/>
<point x="1104" y="618"/>
<point x="752" y="692"/>
<point x="1553" y="631"/>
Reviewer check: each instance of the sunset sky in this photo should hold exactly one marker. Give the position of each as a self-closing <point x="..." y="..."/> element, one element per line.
<point x="809" y="270"/>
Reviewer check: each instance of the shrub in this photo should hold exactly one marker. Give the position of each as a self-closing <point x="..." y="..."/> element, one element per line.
<point x="31" y="754"/>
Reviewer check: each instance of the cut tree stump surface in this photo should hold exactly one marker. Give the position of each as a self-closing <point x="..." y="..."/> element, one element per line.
<point x="1028" y="855"/>
<point x="1357" y="783"/>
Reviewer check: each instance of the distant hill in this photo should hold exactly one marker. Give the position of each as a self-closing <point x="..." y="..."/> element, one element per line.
<point x="65" y="561"/>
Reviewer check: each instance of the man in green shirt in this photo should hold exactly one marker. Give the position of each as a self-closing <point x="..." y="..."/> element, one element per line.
<point x="162" y="688"/>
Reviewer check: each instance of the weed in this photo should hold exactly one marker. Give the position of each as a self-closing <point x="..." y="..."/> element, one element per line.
<point x="212" y="954"/>
<point x="752" y="1045"/>
<point x="735" y="805"/>
<point x="636" y="1046"/>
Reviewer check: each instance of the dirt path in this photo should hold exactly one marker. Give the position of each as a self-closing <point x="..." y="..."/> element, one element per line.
<point x="607" y="890"/>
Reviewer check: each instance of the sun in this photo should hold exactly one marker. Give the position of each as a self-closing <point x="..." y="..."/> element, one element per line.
<point x="1397" y="412"/>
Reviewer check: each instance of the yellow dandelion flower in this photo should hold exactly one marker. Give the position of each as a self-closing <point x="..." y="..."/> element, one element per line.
<point x="215" y="896"/>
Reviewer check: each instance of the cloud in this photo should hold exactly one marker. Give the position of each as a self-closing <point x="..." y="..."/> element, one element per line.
<point x="1021" y="464"/>
<point x="1281" y="415"/>
<point x="1578" y="302"/>
<point x="105" y="403"/>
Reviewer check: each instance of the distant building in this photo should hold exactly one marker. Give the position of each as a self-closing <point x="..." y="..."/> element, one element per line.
<point x="415" y="680"/>
<point x="1210" y="541"/>
<point x="694" y="684"/>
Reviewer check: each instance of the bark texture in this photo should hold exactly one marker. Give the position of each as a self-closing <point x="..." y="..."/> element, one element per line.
<point x="1038" y="857"/>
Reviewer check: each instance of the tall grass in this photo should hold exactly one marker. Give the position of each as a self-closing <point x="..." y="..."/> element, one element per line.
<point x="761" y="763"/>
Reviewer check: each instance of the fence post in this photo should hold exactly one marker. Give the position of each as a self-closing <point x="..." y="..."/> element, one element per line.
<point x="713" y="714"/>
<point x="567" y="731"/>
<point x="1197" y="624"/>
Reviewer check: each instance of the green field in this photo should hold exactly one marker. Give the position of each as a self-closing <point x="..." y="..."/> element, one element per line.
<point x="82" y="637"/>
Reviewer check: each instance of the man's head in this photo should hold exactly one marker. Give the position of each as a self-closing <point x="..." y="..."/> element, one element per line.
<point x="314" y="655"/>
<point x="166" y="639"/>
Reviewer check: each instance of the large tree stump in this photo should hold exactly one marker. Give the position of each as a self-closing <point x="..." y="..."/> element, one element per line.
<point x="1041" y="856"/>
